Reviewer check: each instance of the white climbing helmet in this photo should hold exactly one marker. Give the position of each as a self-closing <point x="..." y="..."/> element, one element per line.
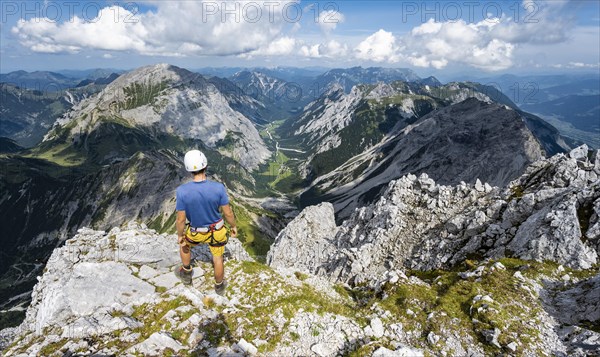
<point x="194" y="160"/>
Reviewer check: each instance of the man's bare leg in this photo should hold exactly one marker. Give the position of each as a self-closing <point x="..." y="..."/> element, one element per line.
<point x="219" y="269"/>
<point x="186" y="255"/>
<point x="185" y="272"/>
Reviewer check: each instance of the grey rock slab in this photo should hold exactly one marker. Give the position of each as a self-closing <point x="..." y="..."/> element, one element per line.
<point x="143" y="248"/>
<point x="146" y="272"/>
<point x="580" y="302"/>
<point x="305" y="242"/>
<point x="247" y="347"/>
<point x="579" y="153"/>
<point x="155" y="344"/>
<point x="377" y="327"/>
<point x="89" y="288"/>
<point x="167" y="280"/>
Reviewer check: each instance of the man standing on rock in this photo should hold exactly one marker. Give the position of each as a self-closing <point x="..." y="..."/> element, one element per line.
<point x="199" y="202"/>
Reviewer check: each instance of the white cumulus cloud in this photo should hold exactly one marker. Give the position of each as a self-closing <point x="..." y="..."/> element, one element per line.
<point x="435" y="44"/>
<point x="489" y="44"/>
<point x="379" y="47"/>
<point x="282" y="46"/>
<point x="175" y="28"/>
<point x="331" y="49"/>
<point x="329" y="19"/>
<point x="251" y="29"/>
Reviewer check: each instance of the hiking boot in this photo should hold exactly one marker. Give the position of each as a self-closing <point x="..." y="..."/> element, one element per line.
<point x="184" y="275"/>
<point x="220" y="288"/>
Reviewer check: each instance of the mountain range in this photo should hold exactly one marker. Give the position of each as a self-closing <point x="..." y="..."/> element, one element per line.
<point x="371" y="147"/>
<point x="466" y="270"/>
<point x="568" y="102"/>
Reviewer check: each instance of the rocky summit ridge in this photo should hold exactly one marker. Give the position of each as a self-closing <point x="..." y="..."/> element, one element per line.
<point x="549" y="213"/>
<point x="465" y="270"/>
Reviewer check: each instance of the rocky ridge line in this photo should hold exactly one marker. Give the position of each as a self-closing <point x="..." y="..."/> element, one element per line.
<point x="549" y="213"/>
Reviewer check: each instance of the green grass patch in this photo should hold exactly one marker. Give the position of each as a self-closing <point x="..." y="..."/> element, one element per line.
<point x="217" y="332"/>
<point x="61" y="154"/>
<point x="139" y="94"/>
<point x="300" y="276"/>
<point x="272" y="296"/>
<point x="151" y="316"/>
<point x="52" y="348"/>
<point x="450" y="298"/>
<point x="179" y="335"/>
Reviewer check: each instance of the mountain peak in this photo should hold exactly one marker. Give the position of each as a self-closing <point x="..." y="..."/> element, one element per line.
<point x="161" y="72"/>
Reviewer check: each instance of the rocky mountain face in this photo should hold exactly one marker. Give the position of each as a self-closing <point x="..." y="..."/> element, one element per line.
<point x="168" y="99"/>
<point x="339" y="125"/>
<point x="549" y="213"/>
<point x="372" y="286"/>
<point x="358" y="142"/>
<point x="27" y="115"/>
<point x="347" y="78"/>
<point x="279" y="96"/>
<point x="259" y="85"/>
<point x="544" y="223"/>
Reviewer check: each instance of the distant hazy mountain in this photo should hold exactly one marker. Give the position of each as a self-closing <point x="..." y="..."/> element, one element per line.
<point x="580" y="87"/>
<point x="576" y="116"/>
<point x="289" y="74"/>
<point x="92" y="74"/>
<point x="26" y="115"/>
<point x="99" y="80"/>
<point x="282" y="97"/>
<point x="349" y="77"/>
<point x="292" y="74"/>
<point x="581" y="111"/>
<point x="524" y="90"/>
<point x="39" y="80"/>
<point x="259" y="85"/>
<point x="430" y="81"/>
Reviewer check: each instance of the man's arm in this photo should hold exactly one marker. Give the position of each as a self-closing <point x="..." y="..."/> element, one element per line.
<point x="180" y="225"/>
<point x="229" y="218"/>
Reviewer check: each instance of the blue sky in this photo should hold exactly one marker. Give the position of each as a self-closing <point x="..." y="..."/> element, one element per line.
<point x="431" y="37"/>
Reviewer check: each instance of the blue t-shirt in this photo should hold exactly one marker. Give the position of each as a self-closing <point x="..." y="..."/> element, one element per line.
<point x="201" y="202"/>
